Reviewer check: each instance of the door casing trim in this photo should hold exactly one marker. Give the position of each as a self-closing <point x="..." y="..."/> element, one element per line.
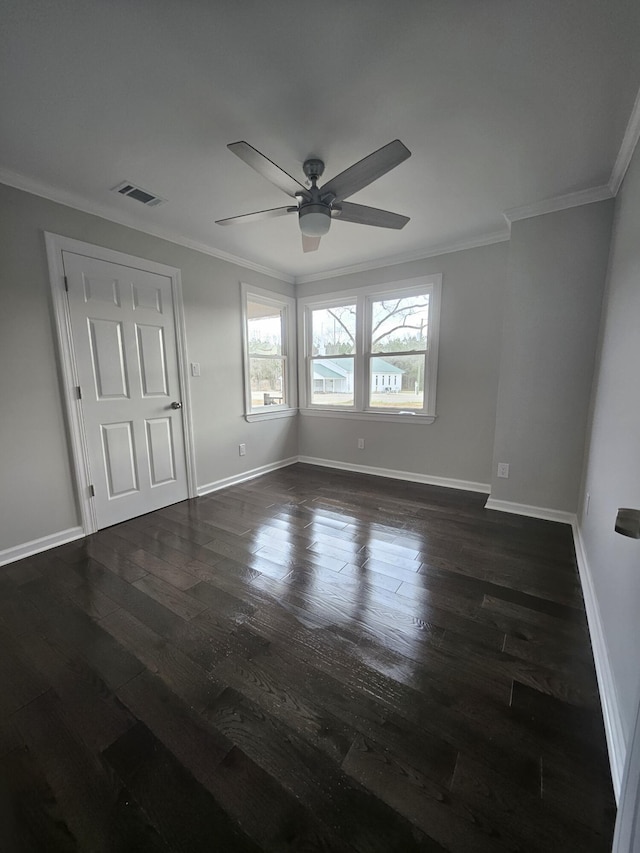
<point x="56" y="244"/>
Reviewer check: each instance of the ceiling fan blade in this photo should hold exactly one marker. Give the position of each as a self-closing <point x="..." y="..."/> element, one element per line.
<point x="364" y="172"/>
<point x="370" y="216"/>
<point x="267" y="168"/>
<point x="310" y="244"/>
<point x="257" y="216"/>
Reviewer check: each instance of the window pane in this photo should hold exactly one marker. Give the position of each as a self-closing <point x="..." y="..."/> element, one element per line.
<point x="264" y="329"/>
<point x="267" y="382"/>
<point x="397" y="382"/>
<point x="333" y="330"/>
<point x="401" y="324"/>
<point x="332" y="382"/>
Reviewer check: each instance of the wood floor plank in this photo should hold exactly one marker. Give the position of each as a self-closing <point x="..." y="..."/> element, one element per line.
<point x="156" y="654"/>
<point x="91" y="709"/>
<point x="185" y="813"/>
<point x="174" y="723"/>
<point x="18" y="614"/>
<point x="312" y="661"/>
<point x="521" y="621"/>
<point x="89" y="797"/>
<point x="167" y="595"/>
<point x="74" y="632"/>
<point x="21" y="682"/>
<point x="526" y="819"/>
<point x="424" y="803"/>
<point x="280" y="699"/>
<point x="272" y="816"/>
<point x="31" y="819"/>
<point x="327" y="696"/>
<point x="361" y="820"/>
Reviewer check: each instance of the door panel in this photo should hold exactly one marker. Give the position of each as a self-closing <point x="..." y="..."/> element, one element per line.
<point x="108" y="363"/>
<point x="119" y="459"/>
<point x="151" y="355"/>
<point x="124" y="341"/>
<point x="99" y="289"/>
<point x="160" y="448"/>
<point x="147" y="297"/>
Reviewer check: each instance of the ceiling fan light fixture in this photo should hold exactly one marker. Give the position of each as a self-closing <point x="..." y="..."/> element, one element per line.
<point x="315" y="220"/>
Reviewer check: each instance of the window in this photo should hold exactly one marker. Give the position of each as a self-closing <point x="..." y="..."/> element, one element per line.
<point x="269" y="337"/>
<point x="372" y="354"/>
<point x="332" y="347"/>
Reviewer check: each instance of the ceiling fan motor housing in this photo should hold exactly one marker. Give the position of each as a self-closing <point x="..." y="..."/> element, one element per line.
<point x="313" y="168"/>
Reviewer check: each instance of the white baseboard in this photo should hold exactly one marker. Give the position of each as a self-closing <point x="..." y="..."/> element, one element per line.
<point x="245" y="475"/>
<point x="613" y="726"/>
<point x="409" y="476"/>
<point x="531" y="511"/>
<point x="28" y="549"/>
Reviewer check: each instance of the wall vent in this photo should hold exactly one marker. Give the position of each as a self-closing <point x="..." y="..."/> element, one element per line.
<point x="143" y="196"/>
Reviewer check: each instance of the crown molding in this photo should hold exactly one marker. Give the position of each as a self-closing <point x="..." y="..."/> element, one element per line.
<point x="560" y="202"/>
<point x="434" y="251"/>
<point x="563" y="202"/>
<point x="628" y="146"/>
<point x="30" y="185"/>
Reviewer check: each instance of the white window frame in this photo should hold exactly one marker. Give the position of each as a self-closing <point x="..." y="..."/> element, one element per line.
<point x="287" y="305"/>
<point x="362" y="298"/>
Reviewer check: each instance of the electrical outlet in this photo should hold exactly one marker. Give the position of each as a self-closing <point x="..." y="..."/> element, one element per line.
<point x="242" y="449"/>
<point x="361" y="444"/>
<point x="503" y="469"/>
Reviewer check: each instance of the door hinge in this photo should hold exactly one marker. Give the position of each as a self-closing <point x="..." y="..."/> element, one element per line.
<point x="78" y="392"/>
<point x="66" y="284"/>
<point x="92" y="492"/>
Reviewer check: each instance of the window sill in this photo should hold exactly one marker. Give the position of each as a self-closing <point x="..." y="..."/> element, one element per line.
<point x="272" y="415"/>
<point x="385" y="417"/>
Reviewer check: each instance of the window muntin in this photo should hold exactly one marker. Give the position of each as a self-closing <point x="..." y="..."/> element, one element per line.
<point x="382" y="340"/>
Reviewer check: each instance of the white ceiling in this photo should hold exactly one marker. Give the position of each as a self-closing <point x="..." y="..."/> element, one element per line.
<point x="503" y="103"/>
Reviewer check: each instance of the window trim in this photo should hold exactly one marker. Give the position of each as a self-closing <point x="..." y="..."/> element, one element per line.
<point x="363" y="297"/>
<point x="287" y="304"/>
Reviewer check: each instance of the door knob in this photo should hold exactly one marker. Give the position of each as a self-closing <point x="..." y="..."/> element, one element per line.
<point x="176" y="405"/>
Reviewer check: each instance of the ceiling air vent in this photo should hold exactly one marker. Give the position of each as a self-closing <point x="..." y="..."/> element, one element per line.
<point x="144" y="197"/>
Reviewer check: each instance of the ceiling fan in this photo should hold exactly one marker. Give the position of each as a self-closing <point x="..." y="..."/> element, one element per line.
<point x="317" y="206"/>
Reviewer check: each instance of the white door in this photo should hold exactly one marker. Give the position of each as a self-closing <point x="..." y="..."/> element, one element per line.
<point x="627" y="834"/>
<point x="124" y="344"/>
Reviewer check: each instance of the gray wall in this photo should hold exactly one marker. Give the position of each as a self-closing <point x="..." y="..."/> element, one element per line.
<point x="36" y="486"/>
<point x="549" y="277"/>
<point x="556" y="274"/>
<point x="612" y="464"/>
<point x="459" y="444"/>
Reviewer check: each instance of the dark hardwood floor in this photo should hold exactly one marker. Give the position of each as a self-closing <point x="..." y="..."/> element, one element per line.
<point x="311" y="661"/>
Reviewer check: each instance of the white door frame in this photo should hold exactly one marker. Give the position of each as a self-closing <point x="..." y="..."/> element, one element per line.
<point x="627" y="833"/>
<point x="56" y="245"/>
